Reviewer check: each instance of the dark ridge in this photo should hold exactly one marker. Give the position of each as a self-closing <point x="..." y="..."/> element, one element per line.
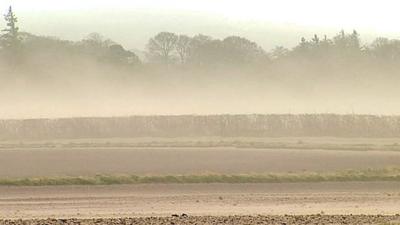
<point x="305" y="125"/>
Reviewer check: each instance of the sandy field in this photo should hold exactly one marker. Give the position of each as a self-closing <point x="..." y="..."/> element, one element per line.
<point x="371" y="198"/>
<point x="272" y="203"/>
<point x="172" y="161"/>
<point x="220" y="220"/>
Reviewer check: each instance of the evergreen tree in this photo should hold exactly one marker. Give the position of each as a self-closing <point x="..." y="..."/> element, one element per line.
<point x="315" y="39"/>
<point x="10" y="39"/>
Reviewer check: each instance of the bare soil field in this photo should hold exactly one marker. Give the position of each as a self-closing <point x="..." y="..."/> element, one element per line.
<point x="206" y="203"/>
<point x="220" y="220"/>
<point x="177" y="161"/>
<point x="264" y="203"/>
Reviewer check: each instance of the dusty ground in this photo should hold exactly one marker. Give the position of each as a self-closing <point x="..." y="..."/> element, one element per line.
<point x="158" y="161"/>
<point x="211" y="220"/>
<point x="203" y="203"/>
<point x="372" y="198"/>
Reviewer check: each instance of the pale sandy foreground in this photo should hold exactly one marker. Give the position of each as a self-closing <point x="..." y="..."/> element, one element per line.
<point x="372" y="198"/>
<point x="219" y="220"/>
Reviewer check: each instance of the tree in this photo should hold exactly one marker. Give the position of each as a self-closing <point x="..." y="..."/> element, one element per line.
<point x="384" y="49"/>
<point x="10" y="39"/>
<point x="95" y="40"/>
<point x="347" y="47"/>
<point x="240" y="50"/>
<point x="95" y="44"/>
<point x="183" y="47"/>
<point x="303" y="49"/>
<point x="315" y="39"/>
<point x="350" y="42"/>
<point x="355" y="40"/>
<point x="204" y="50"/>
<point x="162" y="46"/>
<point x="279" y="52"/>
<point x="117" y="54"/>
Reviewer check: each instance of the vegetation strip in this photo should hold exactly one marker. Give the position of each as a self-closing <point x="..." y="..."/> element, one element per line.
<point x="388" y="174"/>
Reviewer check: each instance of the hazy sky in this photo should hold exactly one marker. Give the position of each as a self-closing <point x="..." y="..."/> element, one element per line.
<point x="279" y="22"/>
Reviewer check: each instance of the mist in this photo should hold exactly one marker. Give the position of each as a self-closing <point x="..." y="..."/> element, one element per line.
<point x="226" y="67"/>
<point x="90" y="89"/>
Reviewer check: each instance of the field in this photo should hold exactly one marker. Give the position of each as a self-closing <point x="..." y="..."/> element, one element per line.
<point x="208" y="202"/>
<point x="200" y="200"/>
<point x="208" y="180"/>
<point x="228" y="220"/>
<point x="128" y="158"/>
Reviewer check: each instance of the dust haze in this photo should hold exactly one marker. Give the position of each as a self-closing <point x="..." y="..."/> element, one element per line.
<point x="221" y="61"/>
<point x="191" y="62"/>
<point x="57" y="78"/>
<point x="199" y="112"/>
<point x="117" y="93"/>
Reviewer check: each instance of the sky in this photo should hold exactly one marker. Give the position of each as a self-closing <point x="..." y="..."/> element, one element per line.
<point x="270" y="23"/>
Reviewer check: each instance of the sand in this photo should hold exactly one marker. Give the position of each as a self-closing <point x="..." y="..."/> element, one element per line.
<point x="371" y="198"/>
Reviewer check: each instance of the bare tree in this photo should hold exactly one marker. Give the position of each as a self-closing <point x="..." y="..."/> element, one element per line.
<point x="162" y="46"/>
<point x="183" y="47"/>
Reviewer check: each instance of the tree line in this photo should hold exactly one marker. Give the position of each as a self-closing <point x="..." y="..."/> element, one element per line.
<point x="303" y="125"/>
<point x="177" y="50"/>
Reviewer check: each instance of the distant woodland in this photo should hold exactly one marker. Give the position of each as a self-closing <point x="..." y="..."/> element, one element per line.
<point x="22" y="52"/>
<point x="179" y="74"/>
